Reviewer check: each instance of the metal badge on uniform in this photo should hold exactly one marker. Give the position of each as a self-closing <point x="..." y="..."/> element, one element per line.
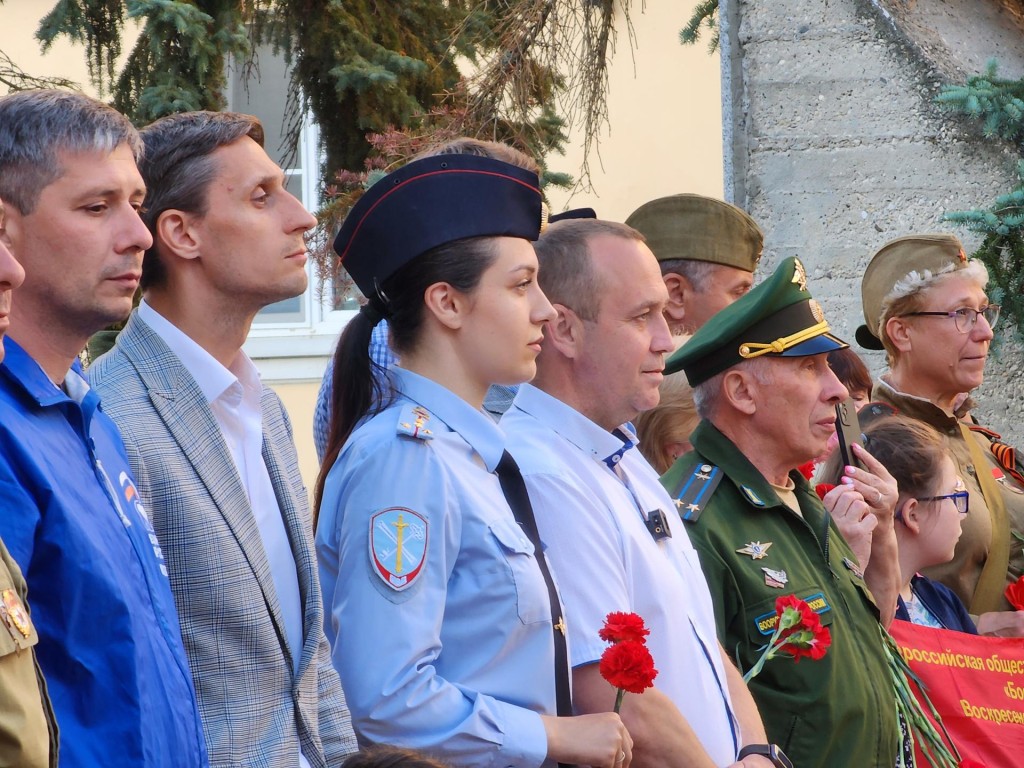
<point x="775" y="579"/>
<point x="657" y="526"/>
<point x="696" y="491"/>
<point x="398" y="546"/>
<point x="855" y="569"/>
<point x="15" y="615"/>
<point x="755" y="549"/>
<point x="413" y="420"/>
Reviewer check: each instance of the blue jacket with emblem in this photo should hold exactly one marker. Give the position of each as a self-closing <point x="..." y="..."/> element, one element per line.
<point x="109" y="641"/>
<point x="836" y="712"/>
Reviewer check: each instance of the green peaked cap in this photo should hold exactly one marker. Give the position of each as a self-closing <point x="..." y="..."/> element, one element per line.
<point x="777" y="317"/>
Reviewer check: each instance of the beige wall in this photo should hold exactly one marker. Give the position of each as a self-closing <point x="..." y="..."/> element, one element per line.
<point x="665" y="116"/>
<point x="665" y="135"/>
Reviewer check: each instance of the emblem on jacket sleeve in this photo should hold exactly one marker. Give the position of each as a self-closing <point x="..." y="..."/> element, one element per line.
<point x="398" y="546"/>
<point x="15" y="614"/>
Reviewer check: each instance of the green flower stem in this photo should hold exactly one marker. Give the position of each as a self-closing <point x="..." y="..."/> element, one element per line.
<point x="619" y="695"/>
<point x="921" y="729"/>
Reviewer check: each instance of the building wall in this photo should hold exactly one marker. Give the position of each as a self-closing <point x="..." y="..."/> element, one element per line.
<point x="837" y="147"/>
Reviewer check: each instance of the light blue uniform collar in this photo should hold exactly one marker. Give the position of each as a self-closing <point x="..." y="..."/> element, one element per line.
<point x="572" y="425"/>
<point x="474" y="426"/>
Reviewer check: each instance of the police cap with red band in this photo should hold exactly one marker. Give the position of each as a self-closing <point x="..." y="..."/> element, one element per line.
<point x="431" y="202"/>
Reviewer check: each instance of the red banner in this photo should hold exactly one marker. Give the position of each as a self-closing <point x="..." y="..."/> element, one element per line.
<point x="977" y="686"/>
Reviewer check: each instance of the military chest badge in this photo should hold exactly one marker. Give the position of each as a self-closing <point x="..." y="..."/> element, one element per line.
<point x="398" y="546"/>
<point x="775" y="579"/>
<point x="15" y="615"/>
<point x="755" y="549"/>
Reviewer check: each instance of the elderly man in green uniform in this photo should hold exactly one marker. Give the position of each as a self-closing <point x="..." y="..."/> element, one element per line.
<point x="28" y="734"/>
<point x="767" y="398"/>
<point x="708" y="251"/>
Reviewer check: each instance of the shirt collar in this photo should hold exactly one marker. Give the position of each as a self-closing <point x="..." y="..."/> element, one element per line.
<point x="23" y="368"/>
<point x="591" y="438"/>
<point x="719" y="450"/>
<point x="214" y="379"/>
<point x="474" y="426"/>
<point x="918" y="407"/>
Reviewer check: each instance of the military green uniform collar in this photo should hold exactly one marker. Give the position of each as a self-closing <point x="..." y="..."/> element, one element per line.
<point x="717" y="449"/>
<point x="919" y="408"/>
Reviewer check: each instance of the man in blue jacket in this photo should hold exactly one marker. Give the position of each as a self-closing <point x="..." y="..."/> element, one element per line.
<point x="109" y="642"/>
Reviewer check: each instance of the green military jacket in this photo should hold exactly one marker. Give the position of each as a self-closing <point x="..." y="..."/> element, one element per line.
<point x="836" y="712"/>
<point x="28" y="734"/>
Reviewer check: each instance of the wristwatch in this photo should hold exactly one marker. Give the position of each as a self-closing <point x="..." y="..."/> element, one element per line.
<point x="771" y="751"/>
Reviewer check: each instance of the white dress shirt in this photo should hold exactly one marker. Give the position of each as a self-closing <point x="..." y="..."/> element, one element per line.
<point x="592" y="493"/>
<point x="234" y="396"/>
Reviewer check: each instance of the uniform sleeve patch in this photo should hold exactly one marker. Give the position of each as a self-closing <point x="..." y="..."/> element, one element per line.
<point x="766" y="622"/>
<point x="398" y="546"/>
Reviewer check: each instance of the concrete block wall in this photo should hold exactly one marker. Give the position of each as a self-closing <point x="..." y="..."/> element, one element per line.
<point x="834" y="145"/>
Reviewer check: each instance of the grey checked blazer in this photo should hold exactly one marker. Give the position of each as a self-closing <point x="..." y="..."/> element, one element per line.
<point x="256" y="712"/>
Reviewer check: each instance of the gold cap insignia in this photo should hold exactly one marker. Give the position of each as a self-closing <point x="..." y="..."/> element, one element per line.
<point x="799" y="274"/>
<point x="545" y="213"/>
<point x="817" y="311"/>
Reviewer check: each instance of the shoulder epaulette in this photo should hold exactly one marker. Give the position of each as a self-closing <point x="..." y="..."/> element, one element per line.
<point x="413" y="421"/>
<point x="696" y="491"/>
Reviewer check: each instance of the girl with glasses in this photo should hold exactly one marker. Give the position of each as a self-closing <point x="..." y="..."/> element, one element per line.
<point x="932" y="505"/>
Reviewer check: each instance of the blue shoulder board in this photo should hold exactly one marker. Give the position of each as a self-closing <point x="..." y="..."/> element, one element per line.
<point x="414" y="421"/>
<point x="696" y="490"/>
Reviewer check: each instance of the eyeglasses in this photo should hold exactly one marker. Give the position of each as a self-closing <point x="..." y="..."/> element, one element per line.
<point x="960" y="498"/>
<point x="965" y="317"/>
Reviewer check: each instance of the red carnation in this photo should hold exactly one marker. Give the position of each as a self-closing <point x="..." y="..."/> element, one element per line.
<point x="807" y="470"/>
<point x="798" y="633"/>
<point x="1015" y="594"/>
<point x="628" y="665"/>
<point x="622" y="627"/>
<point x="822" y="488"/>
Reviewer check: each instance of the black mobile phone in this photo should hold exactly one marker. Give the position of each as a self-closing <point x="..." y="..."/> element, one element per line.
<point x="848" y="431"/>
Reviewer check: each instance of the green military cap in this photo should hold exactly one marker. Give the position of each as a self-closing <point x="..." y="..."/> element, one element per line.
<point x="699" y="229"/>
<point x="894" y="262"/>
<point x="778" y="317"/>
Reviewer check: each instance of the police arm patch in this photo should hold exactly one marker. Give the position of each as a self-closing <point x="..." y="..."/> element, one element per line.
<point x="398" y="546"/>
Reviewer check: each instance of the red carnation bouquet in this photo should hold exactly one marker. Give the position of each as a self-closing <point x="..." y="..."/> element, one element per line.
<point x="627" y="663"/>
<point x="1015" y="594"/>
<point x="798" y="634"/>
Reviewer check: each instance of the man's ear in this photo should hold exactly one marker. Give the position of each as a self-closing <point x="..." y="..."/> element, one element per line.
<point x="564" y="332"/>
<point x="740" y="389"/>
<point x="678" y="287"/>
<point x="177" y="234"/>
<point x="898" y="331"/>
<point x="449" y="305"/>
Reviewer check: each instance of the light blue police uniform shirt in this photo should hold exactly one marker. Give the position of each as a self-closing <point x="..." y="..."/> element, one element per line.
<point x="591" y="521"/>
<point x="436" y="610"/>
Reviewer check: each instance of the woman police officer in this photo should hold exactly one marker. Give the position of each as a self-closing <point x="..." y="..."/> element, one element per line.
<point x="445" y="626"/>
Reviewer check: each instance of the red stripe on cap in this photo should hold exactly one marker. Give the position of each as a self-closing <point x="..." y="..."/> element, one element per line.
<point x="397" y="187"/>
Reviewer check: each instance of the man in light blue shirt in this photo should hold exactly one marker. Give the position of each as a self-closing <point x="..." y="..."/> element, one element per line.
<point x="605" y="519"/>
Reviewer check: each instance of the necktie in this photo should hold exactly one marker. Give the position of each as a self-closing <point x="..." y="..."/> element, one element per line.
<point x="514" y="488"/>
